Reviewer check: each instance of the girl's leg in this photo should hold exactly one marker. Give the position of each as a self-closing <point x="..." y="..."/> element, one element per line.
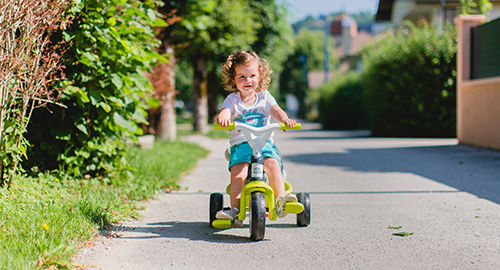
<point x="273" y="170"/>
<point x="238" y="176"/>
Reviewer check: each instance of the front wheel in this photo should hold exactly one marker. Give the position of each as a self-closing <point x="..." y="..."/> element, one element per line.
<point x="257" y="216"/>
<point x="304" y="218"/>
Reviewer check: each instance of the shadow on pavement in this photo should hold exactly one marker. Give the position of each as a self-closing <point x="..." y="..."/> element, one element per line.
<point x="194" y="231"/>
<point x="332" y="135"/>
<point x="470" y="169"/>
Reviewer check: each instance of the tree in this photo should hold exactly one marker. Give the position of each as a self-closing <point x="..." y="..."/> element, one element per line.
<point x="208" y="29"/>
<point x="273" y="39"/>
<point x="162" y="117"/>
<point x="475" y="7"/>
<point x="308" y="44"/>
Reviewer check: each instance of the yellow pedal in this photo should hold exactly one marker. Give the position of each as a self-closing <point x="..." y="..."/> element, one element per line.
<point x="294" y="208"/>
<point x="221" y="223"/>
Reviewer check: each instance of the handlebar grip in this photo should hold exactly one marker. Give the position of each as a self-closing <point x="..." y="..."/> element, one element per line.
<point x="229" y="127"/>
<point x="285" y="127"/>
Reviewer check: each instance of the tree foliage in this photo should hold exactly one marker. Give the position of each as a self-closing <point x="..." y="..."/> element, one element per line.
<point x="309" y="47"/>
<point x="274" y="35"/>
<point x="207" y="29"/>
<point x="475" y="7"/>
<point x="213" y="29"/>
<point x="112" y="46"/>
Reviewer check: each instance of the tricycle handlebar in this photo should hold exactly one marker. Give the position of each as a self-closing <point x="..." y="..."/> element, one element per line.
<point x="280" y="126"/>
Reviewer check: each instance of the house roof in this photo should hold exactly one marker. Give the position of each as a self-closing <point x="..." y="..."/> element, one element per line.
<point x="343" y="21"/>
<point x="384" y="11"/>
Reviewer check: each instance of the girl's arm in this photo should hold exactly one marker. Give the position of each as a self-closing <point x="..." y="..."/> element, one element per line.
<point x="281" y="116"/>
<point x="224" y="117"/>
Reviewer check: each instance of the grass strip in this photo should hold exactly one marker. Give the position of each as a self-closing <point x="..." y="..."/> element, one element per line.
<point x="44" y="220"/>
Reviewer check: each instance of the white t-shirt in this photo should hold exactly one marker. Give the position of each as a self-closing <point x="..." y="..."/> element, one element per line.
<point x="256" y="115"/>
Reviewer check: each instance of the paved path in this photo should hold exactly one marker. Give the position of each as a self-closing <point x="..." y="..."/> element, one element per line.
<point x="448" y="195"/>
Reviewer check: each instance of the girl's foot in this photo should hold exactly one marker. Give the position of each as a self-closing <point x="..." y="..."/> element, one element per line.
<point x="281" y="203"/>
<point x="230" y="214"/>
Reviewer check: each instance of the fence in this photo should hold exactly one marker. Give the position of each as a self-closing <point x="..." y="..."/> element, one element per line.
<point x="485" y="50"/>
<point x="478" y="82"/>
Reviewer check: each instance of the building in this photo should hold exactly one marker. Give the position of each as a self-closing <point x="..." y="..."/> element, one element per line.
<point x="436" y="11"/>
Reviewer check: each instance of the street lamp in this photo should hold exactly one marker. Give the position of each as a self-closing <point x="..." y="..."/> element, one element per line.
<point x="303" y="60"/>
<point x="326" y="47"/>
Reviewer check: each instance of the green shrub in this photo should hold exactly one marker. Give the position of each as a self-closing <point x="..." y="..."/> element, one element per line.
<point x="409" y="81"/>
<point x="340" y="104"/>
<point x="112" y="46"/>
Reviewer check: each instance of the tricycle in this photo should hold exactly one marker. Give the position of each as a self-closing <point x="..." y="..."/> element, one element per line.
<point x="257" y="197"/>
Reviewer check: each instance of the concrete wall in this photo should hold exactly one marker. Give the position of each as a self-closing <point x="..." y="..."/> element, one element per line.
<point x="478" y="101"/>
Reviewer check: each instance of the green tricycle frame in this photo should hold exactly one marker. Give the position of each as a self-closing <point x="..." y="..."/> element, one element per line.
<point x="257" y="197"/>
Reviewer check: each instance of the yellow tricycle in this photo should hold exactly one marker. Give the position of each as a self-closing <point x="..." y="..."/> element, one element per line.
<point x="257" y="197"/>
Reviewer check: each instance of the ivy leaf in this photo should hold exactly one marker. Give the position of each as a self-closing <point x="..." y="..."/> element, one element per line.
<point x="112" y="21"/>
<point x="138" y="116"/>
<point x="88" y="59"/>
<point x="159" y="23"/>
<point x="105" y="107"/>
<point x="151" y="15"/>
<point x="117" y="81"/>
<point x="82" y="128"/>
<point x="123" y="123"/>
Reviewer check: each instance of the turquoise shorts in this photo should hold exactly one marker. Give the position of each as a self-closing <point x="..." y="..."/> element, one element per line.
<point x="243" y="153"/>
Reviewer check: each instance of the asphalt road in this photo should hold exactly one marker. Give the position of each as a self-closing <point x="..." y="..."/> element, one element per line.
<point x="447" y="195"/>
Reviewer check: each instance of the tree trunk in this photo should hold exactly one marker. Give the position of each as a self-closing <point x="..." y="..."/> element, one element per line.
<point x="213" y="93"/>
<point x="162" y="119"/>
<point x="167" y="128"/>
<point x="200" y="106"/>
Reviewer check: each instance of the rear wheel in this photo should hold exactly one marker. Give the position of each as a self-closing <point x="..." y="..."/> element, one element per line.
<point x="304" y="218"/>
<point x="216" y="204"/>
<point x="257" y="216"/>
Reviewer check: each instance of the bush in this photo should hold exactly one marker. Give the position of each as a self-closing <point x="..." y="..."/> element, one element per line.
<point x="409" y="81"/>
<point x="112" y="46"/>
<point x="341" y="103"/>
<point x="28" y="69"/>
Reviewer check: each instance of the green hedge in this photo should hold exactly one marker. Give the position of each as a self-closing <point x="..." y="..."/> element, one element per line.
<point x="112" y="45"/>
<point x="341" y="105"/>
<point x="409" y="81"/>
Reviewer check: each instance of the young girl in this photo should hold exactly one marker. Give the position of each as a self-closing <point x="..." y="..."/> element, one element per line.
<point x="247" y="77"/>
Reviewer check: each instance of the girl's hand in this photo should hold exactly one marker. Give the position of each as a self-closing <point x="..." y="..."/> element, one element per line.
<point x="224" y="118"/>
<point x="223" y="122"/>
<point x="290" y="122"/>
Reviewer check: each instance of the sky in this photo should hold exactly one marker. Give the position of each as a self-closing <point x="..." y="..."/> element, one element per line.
<point x="302" y="8"/>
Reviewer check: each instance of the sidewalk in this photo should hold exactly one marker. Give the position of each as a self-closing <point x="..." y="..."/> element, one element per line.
<point x="446" y="194"/>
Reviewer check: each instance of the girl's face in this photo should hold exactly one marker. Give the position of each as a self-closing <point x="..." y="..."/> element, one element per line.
<point x="247" y="77"/>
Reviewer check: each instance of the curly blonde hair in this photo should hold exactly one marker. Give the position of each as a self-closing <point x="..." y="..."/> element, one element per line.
<point x="245" y="58"/>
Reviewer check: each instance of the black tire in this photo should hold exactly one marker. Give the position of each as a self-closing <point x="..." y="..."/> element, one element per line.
<point x="304" y="218"/>
<point x="216" y="204"/>
<point x="257" y="216"/>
